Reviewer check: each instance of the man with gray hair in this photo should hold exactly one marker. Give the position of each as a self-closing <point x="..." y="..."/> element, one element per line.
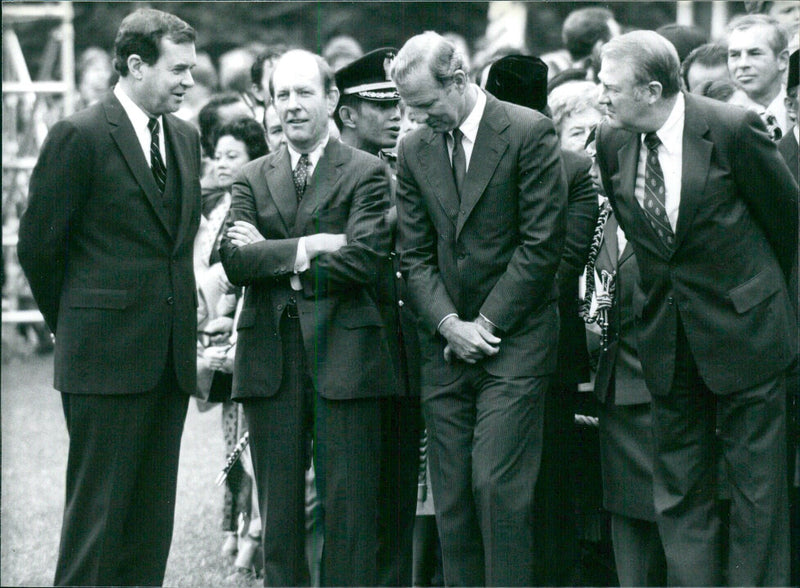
<point x="481" y="203"/>
<point x="711" y="210"/>
<point x="758" y="59"/>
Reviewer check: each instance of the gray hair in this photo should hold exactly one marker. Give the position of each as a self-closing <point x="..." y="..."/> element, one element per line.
<point x="431" y="50"/>
<point x="572" y="98"/>
<point x="654" y="59"/>
<point x="777" y="39"/>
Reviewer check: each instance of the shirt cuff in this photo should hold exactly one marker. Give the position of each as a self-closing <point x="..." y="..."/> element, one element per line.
<point x="483" y="316"/>
<point x="447" y="316"/>
<point x="301" y="264"/>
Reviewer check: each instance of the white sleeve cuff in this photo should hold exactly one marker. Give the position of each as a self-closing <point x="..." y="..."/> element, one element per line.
<point x="301" y="261"/>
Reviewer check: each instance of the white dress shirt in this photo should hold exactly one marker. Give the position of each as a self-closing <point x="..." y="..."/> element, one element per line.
<point x="670" y="157"/>
<point x="139" y="119"/>
<point x="301" y="261"/>
<point x="469" y="128"/>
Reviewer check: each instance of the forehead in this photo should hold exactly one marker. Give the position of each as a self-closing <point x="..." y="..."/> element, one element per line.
<point x="616" y="73"/>
<point x="755" y="37"/>
<point x="585" y="116"/>
<point x="298" y="70"/>
<point x="230" y="143"/>
<point x="419" y="87"/>
<point x="174" y="54"/>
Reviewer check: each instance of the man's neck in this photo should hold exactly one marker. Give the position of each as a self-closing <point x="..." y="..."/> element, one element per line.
<point x="766" y="97"/>
<point x="470" y="99"/>
<point x="660" y="115"/>
<point x="126" y="85"/>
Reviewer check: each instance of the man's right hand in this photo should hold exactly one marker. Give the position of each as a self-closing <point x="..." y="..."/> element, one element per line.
<point x="324" y="243"/>
<point x="469" y="341"/>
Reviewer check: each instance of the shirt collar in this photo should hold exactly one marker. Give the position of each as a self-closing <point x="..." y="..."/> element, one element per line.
<point x="777" y="108"/>
<point x="470" y="125"/>
<point x="138" y="117"/>
<point x="313" y="155"/>
<point x="671" y="132"/>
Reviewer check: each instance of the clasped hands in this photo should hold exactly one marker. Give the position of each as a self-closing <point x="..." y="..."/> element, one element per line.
<point x="469" y="341"/>
<point x="242" y="233"/>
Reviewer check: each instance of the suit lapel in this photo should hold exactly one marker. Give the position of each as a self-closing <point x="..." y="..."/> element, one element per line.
<point x="320" y="184"/>
<point x="125" y="137"/>
<point x="489" y="148"/>
<point x="628" y="161"/>
<point x="436" y="167"/>
<point x="281" y="187"/>
<point x="694" y="168"/>
<point x="181" y="147"/>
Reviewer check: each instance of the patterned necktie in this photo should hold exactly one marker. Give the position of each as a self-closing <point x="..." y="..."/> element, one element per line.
<point x="300" y="175"/>
<point x="156" y="162"/>
<point x="655" y="193"/>
<point x="773" y="128"/>
<point x="459" y="161"/>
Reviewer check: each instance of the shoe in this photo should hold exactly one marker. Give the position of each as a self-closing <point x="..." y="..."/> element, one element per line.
<point x="231" y="544"/>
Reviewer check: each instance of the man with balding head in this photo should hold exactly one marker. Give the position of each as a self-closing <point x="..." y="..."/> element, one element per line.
<point x="482" y="201"/>
<point x="711" y="210"/>
<point x="305" y="234"/>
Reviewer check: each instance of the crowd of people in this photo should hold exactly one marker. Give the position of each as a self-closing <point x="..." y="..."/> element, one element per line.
<point x="411" y="286"/>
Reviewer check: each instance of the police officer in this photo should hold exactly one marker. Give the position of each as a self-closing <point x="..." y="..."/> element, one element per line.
<point x="368" y="116"/>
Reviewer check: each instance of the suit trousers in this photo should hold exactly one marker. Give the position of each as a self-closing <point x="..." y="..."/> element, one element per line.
<point x="485" y="446"/>
<point x="401" y="427"/>
<point x="122" y="473"/>
<point x="346" y="441"/>
<point x="638" y="553"/>
<point x="692" y="427"/>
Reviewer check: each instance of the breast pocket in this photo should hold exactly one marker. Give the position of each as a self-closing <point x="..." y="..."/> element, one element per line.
<point x="754" y="291"/>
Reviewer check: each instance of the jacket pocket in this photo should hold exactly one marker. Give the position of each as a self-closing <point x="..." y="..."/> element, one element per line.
<point x="98" y="298"/>
<point x="754" y="291"/>
<point x="357" y="317"/>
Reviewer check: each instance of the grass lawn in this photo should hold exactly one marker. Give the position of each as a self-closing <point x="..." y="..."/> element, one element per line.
<point x="34" y="453"/>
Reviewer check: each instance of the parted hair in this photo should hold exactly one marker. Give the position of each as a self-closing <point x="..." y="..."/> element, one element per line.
<point x="777" y="38"/>
<point x="141" y="32"/>
<point x="432" y="51"/>
<point x="654" y="59"/>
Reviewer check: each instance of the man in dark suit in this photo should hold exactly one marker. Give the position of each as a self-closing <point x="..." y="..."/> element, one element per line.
<point x="522" y="79"/>
<point x="711" y="210"/>
<point x="106" y="244"/>
<point x="788" y="146"/>
<point x="306" y="231"/>
<point x="368" y="116"/>
<point x="481" y="239"/>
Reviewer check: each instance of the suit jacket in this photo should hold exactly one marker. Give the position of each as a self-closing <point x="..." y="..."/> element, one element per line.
<point x="582" y="211"/>
<point x="619" y="371"/>
<point x="497" y="250"/>
<point x="341" y="326"/>
<point x="735" y="243"/>
<point x="110" y="270"/>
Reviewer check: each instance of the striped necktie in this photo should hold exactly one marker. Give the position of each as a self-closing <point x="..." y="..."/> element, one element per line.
<point x="156" y="162"/>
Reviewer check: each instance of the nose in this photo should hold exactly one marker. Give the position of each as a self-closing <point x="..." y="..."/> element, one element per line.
<point x="396" y="115"/>
<point x="291" y="101"/>
<point x="602" y="97"/>
<point x="188" y="80"/>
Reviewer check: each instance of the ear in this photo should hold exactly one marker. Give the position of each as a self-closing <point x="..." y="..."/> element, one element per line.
<point x="348" y="115"/>
<point x="333" y="100"/>
<point x="783" y="60"/>
<point x="653" y="90"/>
<point x="135" y="65"/>
<point x="460" y="79"/>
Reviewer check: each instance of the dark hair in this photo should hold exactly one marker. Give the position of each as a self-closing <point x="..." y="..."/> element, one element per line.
<point x="583" y="28"/>
<point x="707" y="55"/>
<point x="249" y="132"/>
<point x="208" y="119"/>
<point x="685" y="38"/>
<point x="325" y="71"/>
<point x="140" y="33"/>
<point x="720" y="90"/>
<point x="271" y="54"/>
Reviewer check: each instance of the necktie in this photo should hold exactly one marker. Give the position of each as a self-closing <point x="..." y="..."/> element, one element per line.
<point x="773" y="127"/>
<point x="655" y="193"/>
<point x="156" y="162"/>
<point x="459" y="160"/>
<point x="300" y="175"/>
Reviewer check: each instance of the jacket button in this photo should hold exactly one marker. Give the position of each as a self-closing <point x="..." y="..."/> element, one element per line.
<point x="670" y="300"/>
<point x="170" y="300"/>
<point x="279" y="307"/>
<point x="398" y="275"/>
<point x="400" y="303"/>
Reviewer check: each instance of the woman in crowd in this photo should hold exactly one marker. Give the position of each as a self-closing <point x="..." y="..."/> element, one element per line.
<point x="235" y="144"/>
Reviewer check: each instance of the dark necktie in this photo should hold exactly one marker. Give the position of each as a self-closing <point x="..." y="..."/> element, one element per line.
<point x="655" y="193"/>
<point x="300" y="175"/>
<point x="459" y="161"/>
<point x="156" y="162"/>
